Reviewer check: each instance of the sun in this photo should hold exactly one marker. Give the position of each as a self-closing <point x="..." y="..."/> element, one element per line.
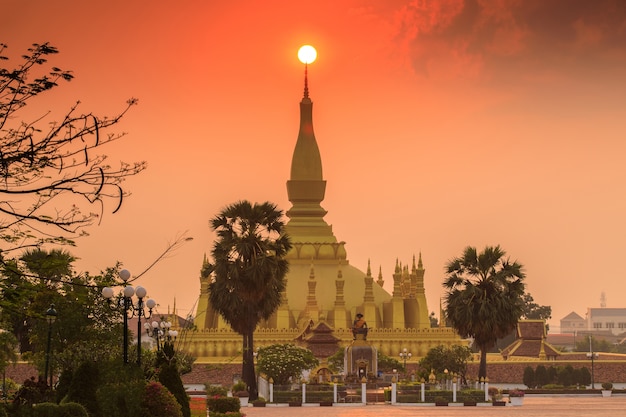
<point x="307" y="54"/>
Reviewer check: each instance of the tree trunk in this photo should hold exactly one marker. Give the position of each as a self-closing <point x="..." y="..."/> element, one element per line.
<point x="482" y="368"/>
<point x="247" y="372"/>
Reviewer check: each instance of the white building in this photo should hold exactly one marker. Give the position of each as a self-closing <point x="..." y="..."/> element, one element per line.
<point x="611" y="319"/>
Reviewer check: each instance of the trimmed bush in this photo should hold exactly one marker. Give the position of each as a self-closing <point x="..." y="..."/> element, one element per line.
<point x="83" y="387"/>
<point x="170" y="378"/>
<point x="157" y="401"/>
<point x="72" y="410"/>
<point x="216" y="390"/>
<point x="223" y="404"/>
<point x="45" y="410"/>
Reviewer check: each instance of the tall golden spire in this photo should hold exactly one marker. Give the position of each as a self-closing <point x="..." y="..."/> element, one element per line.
<point x="306" y="187"/>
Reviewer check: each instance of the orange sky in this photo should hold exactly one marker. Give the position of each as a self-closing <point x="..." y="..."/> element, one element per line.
<point x="441" y="124"/>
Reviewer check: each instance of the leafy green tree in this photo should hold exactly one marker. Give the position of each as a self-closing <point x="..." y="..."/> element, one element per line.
<point x="166" y="363"/>
<point x="83" y="387"/>
<point x="336" y="361"/>
<point x="8" y="353"/>
<point x="248" y="271"/>
<point x="529" y="377"/>
<point x="534" y="311"/>
<point x="51" y="171"/>
<point x="565" y="376"/>
<point x="483" y="297"/>
<point x="453" y="358"/>
<point x="541" y="376"/>
<point x="285" y="362"/>
<point x="85" y="329"/>
<point x="585" y="376"/>
<point x="388" y="364"/>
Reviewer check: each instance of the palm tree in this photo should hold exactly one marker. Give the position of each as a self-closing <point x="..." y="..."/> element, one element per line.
<point x="248" y="271"/>
<point x="484" y="297"/>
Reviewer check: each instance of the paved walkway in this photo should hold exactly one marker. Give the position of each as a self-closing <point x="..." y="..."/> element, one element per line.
<point x="533" y="406"/>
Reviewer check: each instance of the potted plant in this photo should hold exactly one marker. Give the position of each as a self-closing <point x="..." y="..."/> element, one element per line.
<point x="239" y="390"/>
<point x="516" y="397"/>
<point x="440" y="401"/>
<point x="259" y="402"/>
<point x="295" y="402"/>
<point x="607" y="389"/>
<point x="496" y="396"/>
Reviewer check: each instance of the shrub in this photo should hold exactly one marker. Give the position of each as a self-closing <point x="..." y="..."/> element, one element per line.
<point x="607" y="386"/>
<point x="215" y="390"/>
<point x="72" y="410"/>
<point x="541" y="376"/>
<point x="529" y="377"/>
<point x="3" y="412"/>
<point x="228" y="414"/>
<point x="45" y="410"/>
<point x="170" y="378"/>
<point x="223" y="404"/>
<point x="83" y="387"/>
<point x="585" y="376"/>
<point x="471" y="395"/>
<point x="157" y="401"/>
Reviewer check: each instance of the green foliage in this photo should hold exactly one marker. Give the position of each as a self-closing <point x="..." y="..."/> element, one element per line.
<point x="607" y="386"/>
<point x="215" y="390"/>
<point x="453" y="358"/>
<point x="585" y="377"/>
<point x="285" y="362"/>
<point x="335" y="362"/>
<point x="223" y="404"/>
<point x="541" y="376"/>
<point x="484" y="297"/>
<point x="55" y="410"/>
<point x="388" y="364"/>
<point x="565" y="376"/>
<point x="247" y="276"/>
<point x="45" y="410"/>
<point x="72" y="410"/>
<point x="228" y="414"/>
<point x="83" y="387"/>
<point x="3" y="412"/>
<point x="86" y="329"/>
<point x="63" y="385"/>
<point x="529" y="377"/>
<point x="170" y="378"/>
<point x="121" y="393"/>
<point x="157" y="401"/>
<point x="533" y="311"/>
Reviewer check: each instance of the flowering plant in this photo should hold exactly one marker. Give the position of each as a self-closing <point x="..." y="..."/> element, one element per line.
<point x="516" y="393"/>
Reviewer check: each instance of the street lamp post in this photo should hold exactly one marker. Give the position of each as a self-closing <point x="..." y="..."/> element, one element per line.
<point x="592" y="355"/>
<point x="51" y="315"/>
<point x="130" y="310"/>
<point x="161" y="332"/>
<point x="405" y="354"/>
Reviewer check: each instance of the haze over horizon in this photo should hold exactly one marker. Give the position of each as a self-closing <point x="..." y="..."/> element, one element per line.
<point x="441" y="124"/>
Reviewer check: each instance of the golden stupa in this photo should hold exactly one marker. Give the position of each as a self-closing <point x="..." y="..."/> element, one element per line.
<point x="324" y="292"/>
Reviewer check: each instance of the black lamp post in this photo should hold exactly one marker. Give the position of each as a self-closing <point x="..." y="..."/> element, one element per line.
<point x="161" y="331"/>
<point x="125" y="301"/>
<point x="592" y="355"/>
<point x="51" y="316"/>
<point x="405" y="355"/>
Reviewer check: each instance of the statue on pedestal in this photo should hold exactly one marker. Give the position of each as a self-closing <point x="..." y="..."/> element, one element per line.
<point x="359" y="326"/>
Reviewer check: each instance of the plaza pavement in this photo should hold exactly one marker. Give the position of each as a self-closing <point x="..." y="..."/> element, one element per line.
<point x="563" y="406"/>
